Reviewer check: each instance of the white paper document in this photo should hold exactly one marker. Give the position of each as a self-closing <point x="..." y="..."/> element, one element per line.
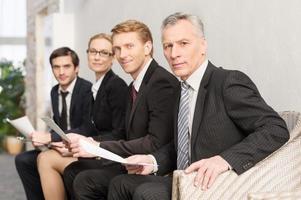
<point x="103" y="153"/>
<point x="23" y="125"/>
<point x="56" y="128"/>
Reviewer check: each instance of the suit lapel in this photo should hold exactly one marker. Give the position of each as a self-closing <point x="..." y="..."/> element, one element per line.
<point x="142" y="89"/>
<point x="199" y="107"/>
<point x="101" y="89"/>
<point x="128" y="108"/>
<point x="74" y="98"/>
<point x="176" y="112"/>
<point x="55" y="104"/>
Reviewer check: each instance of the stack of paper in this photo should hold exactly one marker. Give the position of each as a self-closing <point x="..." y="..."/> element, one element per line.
<point x="103" y="153"/>
<point x="23" y="125"/>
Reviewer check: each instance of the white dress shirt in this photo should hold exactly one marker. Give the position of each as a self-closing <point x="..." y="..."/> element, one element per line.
<point x="68" y="100"/>
<point x="139" y="79"/>
<point x="194" y="81"/>
<point x="95" y="87"/>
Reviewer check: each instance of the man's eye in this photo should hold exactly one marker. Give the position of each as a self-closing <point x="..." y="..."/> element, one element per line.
<point x="183" y="44"/>
<point x="129" y="46"/>
<point x="167" y="46"/>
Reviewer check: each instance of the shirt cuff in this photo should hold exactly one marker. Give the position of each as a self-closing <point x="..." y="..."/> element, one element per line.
<point x="155" y="169"/>
<point x="229" y="166"/>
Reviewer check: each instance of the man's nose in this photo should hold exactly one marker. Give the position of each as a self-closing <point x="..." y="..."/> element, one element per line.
<point x="62" y="70"/>
<point x="174" y="52"/>
<point x="123" y="53"/>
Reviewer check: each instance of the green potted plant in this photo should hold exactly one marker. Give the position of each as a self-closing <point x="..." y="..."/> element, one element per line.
<point x="11" y="97"/>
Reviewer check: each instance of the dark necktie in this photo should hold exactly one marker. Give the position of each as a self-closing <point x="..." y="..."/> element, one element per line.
<point x="63" y="117"/>
<point x="183" y="128"/>
<point x="134" y="94"/>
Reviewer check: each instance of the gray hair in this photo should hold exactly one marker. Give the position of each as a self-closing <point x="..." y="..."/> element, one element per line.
<point x="193" y="19"/>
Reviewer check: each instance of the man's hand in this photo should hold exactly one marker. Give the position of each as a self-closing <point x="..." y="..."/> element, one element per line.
<point x="139" y="169"/>
<point x="74" y="137"/>
<point x="40" y="138"/>
<point x="76" y="148"/>
<point x="61" y="148"/>
<point x="207" y="171"/>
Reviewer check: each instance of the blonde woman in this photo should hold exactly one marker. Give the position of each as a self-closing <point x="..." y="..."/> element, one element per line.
<point x="106" y="116"/>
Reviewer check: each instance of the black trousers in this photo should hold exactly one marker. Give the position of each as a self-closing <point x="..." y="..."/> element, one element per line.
<point x="26" y="165"/>
<point x="139" y="187"/>
<point x="89" y="179"/>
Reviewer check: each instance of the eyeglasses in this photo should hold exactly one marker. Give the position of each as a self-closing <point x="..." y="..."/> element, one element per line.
<point x="102" y="53"/>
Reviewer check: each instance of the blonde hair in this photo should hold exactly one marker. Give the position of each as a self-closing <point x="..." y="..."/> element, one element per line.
<point x="100" y="36"/>
<point x="134" y="26"/>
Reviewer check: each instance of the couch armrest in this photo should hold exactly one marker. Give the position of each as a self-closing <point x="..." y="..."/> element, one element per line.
<point x="294" y="194"/>
<point x="281" y="171"/>
<point x="183" y="188"/>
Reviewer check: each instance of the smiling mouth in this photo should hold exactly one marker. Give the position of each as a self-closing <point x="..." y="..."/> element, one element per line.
<point x="125" y="62"/>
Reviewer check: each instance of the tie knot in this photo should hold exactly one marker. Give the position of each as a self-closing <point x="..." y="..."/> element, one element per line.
<point x="64" y="94"/>
<point x="134" y="89"/>
<point x="184" y="85"/>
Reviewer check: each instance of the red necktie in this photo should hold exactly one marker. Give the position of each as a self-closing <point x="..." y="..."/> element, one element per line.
<point x="134" y="94"/>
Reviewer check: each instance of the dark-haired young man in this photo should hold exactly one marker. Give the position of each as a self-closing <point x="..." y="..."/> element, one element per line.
<point x="70" y="100"/>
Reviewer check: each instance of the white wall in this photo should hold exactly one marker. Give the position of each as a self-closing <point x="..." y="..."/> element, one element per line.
<point x="259" y="37"/>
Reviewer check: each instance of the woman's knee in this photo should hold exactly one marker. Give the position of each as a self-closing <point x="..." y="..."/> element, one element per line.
<point x="47" y="158"/>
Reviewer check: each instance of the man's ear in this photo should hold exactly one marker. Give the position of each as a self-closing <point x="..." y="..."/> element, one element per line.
<point x="204" y="46"/>
<point x="76" y="70"/>
<point x="148" y="46"/>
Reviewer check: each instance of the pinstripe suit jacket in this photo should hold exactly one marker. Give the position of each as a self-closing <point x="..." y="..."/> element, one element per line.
<point x="232" y="120"/>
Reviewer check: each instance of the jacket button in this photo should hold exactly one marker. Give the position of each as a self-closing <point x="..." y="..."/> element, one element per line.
<point x="247" y="165"/>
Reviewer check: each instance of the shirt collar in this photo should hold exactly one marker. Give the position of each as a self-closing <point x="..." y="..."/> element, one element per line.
<point x="69" y="88"/>
<point x="196" y="77"/>
<point x="96" y="85"/>
<point x="139" y="79"/>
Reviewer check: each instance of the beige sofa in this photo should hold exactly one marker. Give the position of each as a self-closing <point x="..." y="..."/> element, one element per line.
<point x="276" y="177"/>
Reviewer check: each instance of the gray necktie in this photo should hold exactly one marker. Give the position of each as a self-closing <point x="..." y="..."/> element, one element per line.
<point x="183" y="128"/>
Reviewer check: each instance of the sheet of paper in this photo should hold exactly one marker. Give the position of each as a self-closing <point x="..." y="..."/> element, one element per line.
<point x="103" y="153"/>
<point x="23" y="125"/>
<point x="56" y="128"/>
<point x="98" y="151"/>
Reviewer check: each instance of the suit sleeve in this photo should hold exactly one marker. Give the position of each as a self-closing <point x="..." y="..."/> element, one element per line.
<point x="54" y="136"/>
<point x="166" y="158"/>
<point x="160" y="127"/>
<point x="86" y="104"/>
<point x="85" y="127"/>
<point x="117" y="93"/>
<point x="265" y="130"/>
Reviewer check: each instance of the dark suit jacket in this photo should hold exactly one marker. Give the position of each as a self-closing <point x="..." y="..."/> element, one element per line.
<point x="107" y="112"/>
<point x="79" y="107"/>
<point x="232" y="120"/>
<point x="149" y="122"/>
